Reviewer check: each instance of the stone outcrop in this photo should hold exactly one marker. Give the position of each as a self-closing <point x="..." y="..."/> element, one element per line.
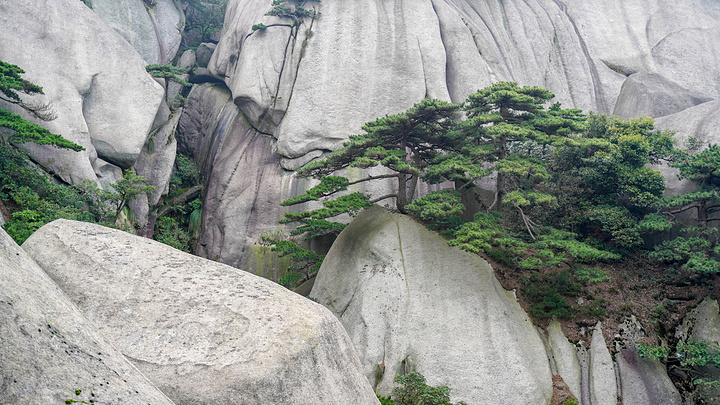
<point x="410" y="302"/>
<point x="203" y="332"/>
<point x="653" y="95"/>
<point x="703" y="324"/>
<point x="96" y="82"/>
<point x="155" y="164"/>
<point x="49" y="350"/>
<point x="155" y="32"/>
<point x="641" y="380"/>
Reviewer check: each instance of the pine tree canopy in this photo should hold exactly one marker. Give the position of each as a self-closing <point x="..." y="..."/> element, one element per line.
<point x="21" y="130"/>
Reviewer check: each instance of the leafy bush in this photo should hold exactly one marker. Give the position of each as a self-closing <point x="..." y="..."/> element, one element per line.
<point x="694" y="254"/>
<point x="414" y="391"/>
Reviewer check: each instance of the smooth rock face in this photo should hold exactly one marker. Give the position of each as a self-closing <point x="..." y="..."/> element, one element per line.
<point x="409" y="301"/>
<point x="97" y="83"/>
<point x="602" y="383"/>
<point x="155" y="33"/>
<point x="653" y="95"/>
<point x="203" y="332"/>
<point x="48" y="349"/>
<point x="312" y="87"/>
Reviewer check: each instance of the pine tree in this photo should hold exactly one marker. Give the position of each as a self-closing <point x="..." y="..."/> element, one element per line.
<point x="11" y="84"/>
<point x="405" y="144"/>
<point x="508" y="132"/>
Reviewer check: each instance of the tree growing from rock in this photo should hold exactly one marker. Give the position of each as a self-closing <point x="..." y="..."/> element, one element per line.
<point x="606" y="191"/>
<point x="21" y="131"/>
<point x="404" y="144"/>
<point x="510" y="134"/>
<point x="696" y="250"/>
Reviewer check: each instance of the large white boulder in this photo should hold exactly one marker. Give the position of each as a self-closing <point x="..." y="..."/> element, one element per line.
<point x="49" y="349"/>
<point x="203" y="332"/>
<point x="97" y="83"/>
<point x="409" y="301"/>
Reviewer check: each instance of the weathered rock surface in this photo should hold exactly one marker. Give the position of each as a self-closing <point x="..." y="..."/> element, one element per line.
<point x="155" y="164"/>
<point x="653" y="95"/>
<point x="703" y="324"/>
<point x="409" y="301"/>
<point x="155" y="32"/>
<point x="565" y="357"/>
<point x="356" y="62"/>
<point x="97" y="83"/>
<point x="204" y="53"/>
<point x="642" y="380"/>
<point x="48" y="349"/>
<point x="203" y="332"/>
<point x="601" y="373"/>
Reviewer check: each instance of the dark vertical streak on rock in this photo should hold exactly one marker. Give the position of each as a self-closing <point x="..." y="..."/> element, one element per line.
<point x="503" y="58"/>
<point x="161" y="47"/>
<point x="303" y="49"/>
<point x="292" y="37"/>
<point x="594" y="75"/>
<point x="447" y="56"/>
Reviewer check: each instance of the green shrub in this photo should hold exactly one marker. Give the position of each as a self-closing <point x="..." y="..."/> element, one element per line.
<point x="414" y="391"/>
<point x="169" y="72"/>
<point x="547" y="292"/>
<point x="591" y="275"/>
<point x="441" y="210"/>
<point x="304" y="262"/>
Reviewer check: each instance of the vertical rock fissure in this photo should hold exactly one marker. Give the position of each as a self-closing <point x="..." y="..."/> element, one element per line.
<point x="158" y="37"/>
<point x="447" y="56"/>
<point x="422" y="65"/>
<point x="303" y="47"/>
<point x="402" y="257"/>
<point x="594" y="74"/>
<point x="495" y="40"/>
<point x="292" y="37"/>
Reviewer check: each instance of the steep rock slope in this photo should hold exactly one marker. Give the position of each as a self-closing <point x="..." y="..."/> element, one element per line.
<point x="309" y="87"/>
<point x="48" y="349"/>
<point x="410" y="302"/>
<point x="203" y="332"/>
<point x="96" y="81"/>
